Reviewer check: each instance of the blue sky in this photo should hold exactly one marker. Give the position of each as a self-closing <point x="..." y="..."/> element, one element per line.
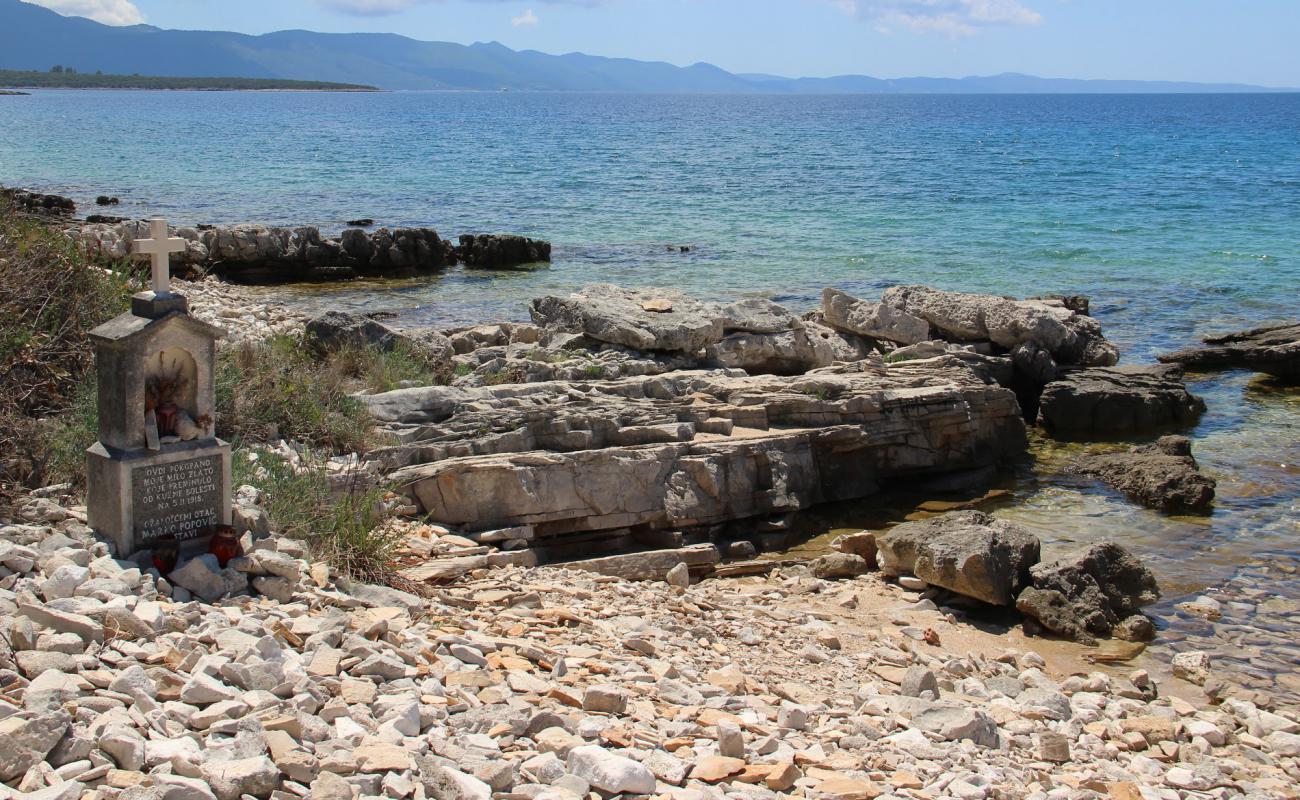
<point x="1245" y="41"/>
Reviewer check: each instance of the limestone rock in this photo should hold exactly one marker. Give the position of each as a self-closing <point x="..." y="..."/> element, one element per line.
<point x="874" y="320"/>
<point x="336" y="329"/>
<point x="1117" y="401"/>
<point x="968" y="552"/>
<point x="1271" y="349"/>
<point x="954" y="723"/>
<point x="232" y="779"/>
<point x="1070" y="337"/>
<point x="1163" y="476"/>
<point x="609" y="772"/>
<point x="615" y="315"/>
<point x="202" y="576"/>
<point x="839" y="565"/>
<point x="1087" y="594"/>
<point x="25" y="742"/>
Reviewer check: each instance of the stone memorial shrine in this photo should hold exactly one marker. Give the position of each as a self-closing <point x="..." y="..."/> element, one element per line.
<point x="158" y="473"/>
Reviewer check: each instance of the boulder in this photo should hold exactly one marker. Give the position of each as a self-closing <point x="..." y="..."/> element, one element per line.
<point x="501" y="251"/>
<point x="839" y="565"/>
<point x="1163" y="475"/>
<point x="967" y="552"/>
<point x="875" y="320"/>
<point x="1272" y="349"/>
<point x="25" y="742"/>
<point x="336" y="329"/>
<point x="1117" y="401"/>
<point x="610" y="772"/>
<point x="791" y="352"/>
<point x="1070" y="337"/>
<point x="619" y="316"/>
<point x="1086" y="595"/>
<point x="757" y="315"/>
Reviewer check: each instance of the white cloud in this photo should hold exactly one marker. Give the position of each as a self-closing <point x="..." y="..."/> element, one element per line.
<point x="528" y="19"/>
<point x="109" y="12"/>
<point x="951" y="17"/>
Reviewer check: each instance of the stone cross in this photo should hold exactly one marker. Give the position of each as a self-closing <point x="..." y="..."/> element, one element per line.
<point x="160" y="247"/>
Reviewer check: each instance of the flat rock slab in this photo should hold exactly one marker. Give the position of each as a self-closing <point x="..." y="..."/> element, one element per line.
<point x="1272" y="349"/>
<point x="637" y="452"/>
<point x="615" y="315"/>
<point x="1118" y="401"/>
<point x="1163" y="475"/>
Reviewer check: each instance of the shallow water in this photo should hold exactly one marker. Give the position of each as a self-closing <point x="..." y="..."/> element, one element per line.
<point x="1178" y="215"/>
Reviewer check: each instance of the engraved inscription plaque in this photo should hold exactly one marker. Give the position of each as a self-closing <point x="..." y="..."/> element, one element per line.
<point x="182" y="499"/>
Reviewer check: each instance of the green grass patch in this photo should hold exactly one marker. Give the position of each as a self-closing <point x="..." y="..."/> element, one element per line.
<point x="343" y="527"/>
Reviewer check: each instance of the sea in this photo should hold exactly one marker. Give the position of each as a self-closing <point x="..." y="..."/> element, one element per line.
<point x="1178" y="215"/>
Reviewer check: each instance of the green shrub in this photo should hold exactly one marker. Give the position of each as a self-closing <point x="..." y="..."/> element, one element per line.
<point x="280" y="389"/>
<point x="375" y="370"/>
<point x="50" y="298"/>
<point x="343" y="528"/>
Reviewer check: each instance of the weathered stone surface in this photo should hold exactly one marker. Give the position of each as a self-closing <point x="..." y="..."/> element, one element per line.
<point x="839" y="565"/>
<point x="968" y="552"/>
<point x="1117" y="401"/>
<point x="840" y="435"/>
<point x="51" y="205"/>
<point x="1163" y="475"/>
<point x="1085" y="595"/>
<point x="1271" y="349"/>
<point x="501" y="251"/>
<point x="1070" y="337"/>
<point x="875" y="320"/>
<point x="338" y="328"/>
<point x="609" y="772"/>
<point x="612" y="314"/>
<point x="654" y="565"/>
<point x="25" y="742"/>
<point x="955" y="722"/>
<point x="265" y="254"/>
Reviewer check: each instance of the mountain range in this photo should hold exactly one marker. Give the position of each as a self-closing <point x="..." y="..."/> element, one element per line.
<point x="35" y="38"/>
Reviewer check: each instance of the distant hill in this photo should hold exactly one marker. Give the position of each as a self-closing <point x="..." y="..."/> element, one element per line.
<point x="64" y="79"/>
<point x="35" y="38"/>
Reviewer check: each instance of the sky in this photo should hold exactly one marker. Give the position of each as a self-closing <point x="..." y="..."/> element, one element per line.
<point x="1229" y="41"/>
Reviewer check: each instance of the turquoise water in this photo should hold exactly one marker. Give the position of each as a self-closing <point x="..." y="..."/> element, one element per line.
<point x="1179" y="215"/>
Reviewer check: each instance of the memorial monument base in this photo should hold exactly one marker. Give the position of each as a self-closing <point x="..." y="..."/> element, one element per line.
<point x="136" y="497"/>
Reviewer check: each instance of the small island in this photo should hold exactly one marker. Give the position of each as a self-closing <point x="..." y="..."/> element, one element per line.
<point x="12" y="93"/>
<point x="60" y="78"/>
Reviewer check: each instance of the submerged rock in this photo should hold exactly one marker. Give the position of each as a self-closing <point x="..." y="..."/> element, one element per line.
<point x="1272" y="349"/>
<point x="51" y="205"/>
<point x="967" y="552"/>
<point x="1163" y="475"/>
<point x="1086" y="595"/>
<point x="500" y="251"/>
<point x="1117" y="401"/>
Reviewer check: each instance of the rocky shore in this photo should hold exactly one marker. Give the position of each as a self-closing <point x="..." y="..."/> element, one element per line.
<point x="548" y="683"/>
<point x="585" y="603"/>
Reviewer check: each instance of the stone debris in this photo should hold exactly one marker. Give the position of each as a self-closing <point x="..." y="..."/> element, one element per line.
<point x="527" y="682"/>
